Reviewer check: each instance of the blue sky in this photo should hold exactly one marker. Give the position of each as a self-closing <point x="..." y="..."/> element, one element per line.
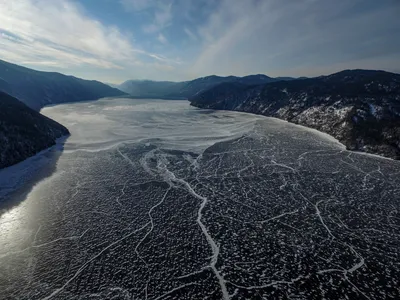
<point x="116" y="40"/>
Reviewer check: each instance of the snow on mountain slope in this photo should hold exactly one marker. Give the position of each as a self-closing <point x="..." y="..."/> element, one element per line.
<point x="360" y="108"/>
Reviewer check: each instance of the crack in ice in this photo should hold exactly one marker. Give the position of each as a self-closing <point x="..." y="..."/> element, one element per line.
<point x="213" y="245"/>
<point x="279" y="216"/>
<point x="84" y="266"/>
<point x="151" y="224"/>
<point x="70" y="238"/>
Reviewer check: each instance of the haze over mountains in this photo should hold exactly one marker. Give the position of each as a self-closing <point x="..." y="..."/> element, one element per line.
<point x="186" y="89"/>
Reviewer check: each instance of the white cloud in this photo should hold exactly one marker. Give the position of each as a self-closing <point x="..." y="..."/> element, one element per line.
<point x="58" y="31"/>
<point x="162" y="39"/>
<point x="60" y="34"/>
<point x="272" y="37"/>
<point x="39" y="54"/>
<point x="9" y="37"/>
<point x="162" y="18"/>
<point x="190" y="34"/>
<point x="166" y="60"/>
<point x="137" y="5"/>
<point x="223" y="37"/>
<point x="227" y="28"/>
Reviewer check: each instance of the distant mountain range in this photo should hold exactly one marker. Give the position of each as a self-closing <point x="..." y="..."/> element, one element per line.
<point x="37" y="89"/>
<point x="186" y="89"/>
<point x="360" y="108"/>
<point x="24" y="131"/>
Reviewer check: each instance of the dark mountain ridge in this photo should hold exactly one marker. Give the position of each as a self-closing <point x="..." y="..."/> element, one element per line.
<point x="186" y="89"/>
<point x="24" y="131"/>
<point x="360" y="108"/>
<point x="38" y="89"/>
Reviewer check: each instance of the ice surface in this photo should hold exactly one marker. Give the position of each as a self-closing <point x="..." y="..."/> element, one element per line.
<point x="159" y="200"/>
<point x="14" y="177"/>
<point x="173" y="124"/>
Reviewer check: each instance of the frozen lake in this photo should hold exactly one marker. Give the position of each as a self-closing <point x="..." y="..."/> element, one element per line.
<point x="152" y="199"/>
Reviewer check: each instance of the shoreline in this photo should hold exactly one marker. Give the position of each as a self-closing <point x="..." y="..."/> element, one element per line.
<point x="15" y="176"/>
<point x="315" y="131"/>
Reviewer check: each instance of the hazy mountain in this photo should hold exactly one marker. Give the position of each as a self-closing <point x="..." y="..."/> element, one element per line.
<point x="185" y="89"/>
<point x="113" y="85"/>
<point x="37" y="89"/>
<point x="150" y="89"/>
<point x="360" y="108"/>
<point x="24" y="131"/>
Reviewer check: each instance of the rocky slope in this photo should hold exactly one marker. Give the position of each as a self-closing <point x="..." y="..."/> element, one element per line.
<point x="186" y="89"/>
<point x="360" y="108"/>
<point x="23" y="131"/>
<point x="37" y="89"/>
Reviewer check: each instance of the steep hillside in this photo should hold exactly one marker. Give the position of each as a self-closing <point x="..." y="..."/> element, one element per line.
<point x="23" y="131"/>
<point x="360" y="108"/>
<point x="37" y="89"/>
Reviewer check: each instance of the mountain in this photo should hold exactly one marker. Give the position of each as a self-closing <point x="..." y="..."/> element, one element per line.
<point x="113" y="85"/>
<point x="186" y="89"/>
<point x="37" y="89"/>
<point x="193" y="87"/>
<point x="23" y="131"/>
<point x="360" y="108"/>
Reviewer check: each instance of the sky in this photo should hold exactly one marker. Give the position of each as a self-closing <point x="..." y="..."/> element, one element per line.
<point x="116" y="40"/>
